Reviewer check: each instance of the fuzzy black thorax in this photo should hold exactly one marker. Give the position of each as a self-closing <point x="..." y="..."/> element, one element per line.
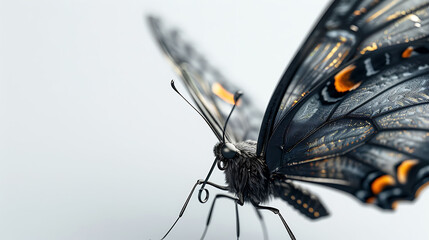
<point x="247" y="175"/>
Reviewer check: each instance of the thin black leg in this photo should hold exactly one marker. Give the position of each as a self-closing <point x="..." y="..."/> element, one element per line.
<point x="276" y="211"/>
<point x="200" y="181"/>
<point x="211" y="212"/>
<point x="237" y="219"/>
<point x="264" y="226"/>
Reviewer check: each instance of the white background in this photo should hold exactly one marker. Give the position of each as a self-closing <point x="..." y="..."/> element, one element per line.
<point x="94" y="144"/>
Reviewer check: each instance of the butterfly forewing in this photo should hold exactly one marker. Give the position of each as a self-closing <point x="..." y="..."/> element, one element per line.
<point x="212" y="93"/>
<point x="347" y="30"/>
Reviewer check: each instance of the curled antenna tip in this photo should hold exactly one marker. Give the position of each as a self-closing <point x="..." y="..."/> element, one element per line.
<point x="172" y="85"/>
<point x="237" y="95"/>
<point x="212" y="127"/>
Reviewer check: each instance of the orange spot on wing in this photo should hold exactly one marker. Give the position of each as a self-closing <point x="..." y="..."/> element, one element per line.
<point x="359" y="12"/>
<point x="407" y="52"/>
<point x="369" y="48"/>
<point x="382" y="182"/>
<point x="421" y="189"/>
<point x="222" y="93"/>
<point x="404" y="169"/>
<point x="343" y="83"/>
<point x="395" y="205"/>
<point x="370" y="200"/>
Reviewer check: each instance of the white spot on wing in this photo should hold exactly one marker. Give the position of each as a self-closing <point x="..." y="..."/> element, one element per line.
<point x="387" y="58"/>
<point x="423" y="67"/>
<point x="369" y="68"/>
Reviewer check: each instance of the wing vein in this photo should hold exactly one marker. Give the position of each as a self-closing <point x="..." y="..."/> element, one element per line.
<point x="393" y="149"/>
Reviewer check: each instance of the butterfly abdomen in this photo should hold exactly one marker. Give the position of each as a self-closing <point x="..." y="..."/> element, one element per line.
<point x="302" y="200"/>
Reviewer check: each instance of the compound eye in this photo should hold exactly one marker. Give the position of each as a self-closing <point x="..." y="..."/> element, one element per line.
<point x="229" y="151"/>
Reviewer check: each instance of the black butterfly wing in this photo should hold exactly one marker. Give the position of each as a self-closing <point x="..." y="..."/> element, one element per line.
<point x="357" y="123"/>
<point x="347" y="30"/>
<point x="365" y="130"/>
<point x="211" y="91"/>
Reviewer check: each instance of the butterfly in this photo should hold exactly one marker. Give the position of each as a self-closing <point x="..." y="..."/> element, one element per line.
<point x="351" y="112"/>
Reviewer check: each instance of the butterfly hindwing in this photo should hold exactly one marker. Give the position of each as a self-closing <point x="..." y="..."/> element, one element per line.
<point x="210" y="90"/>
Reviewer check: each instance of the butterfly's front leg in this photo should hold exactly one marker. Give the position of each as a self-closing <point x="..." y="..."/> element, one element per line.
<point x="202" y="200"/>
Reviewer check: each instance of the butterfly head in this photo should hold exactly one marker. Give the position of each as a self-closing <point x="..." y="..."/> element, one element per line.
<point x="225" y="152"/>
<point x="229" y="151"/>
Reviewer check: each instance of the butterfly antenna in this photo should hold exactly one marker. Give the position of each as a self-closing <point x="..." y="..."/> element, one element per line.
<point x="237" y="96"/>
<point x="205" y="119"/>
